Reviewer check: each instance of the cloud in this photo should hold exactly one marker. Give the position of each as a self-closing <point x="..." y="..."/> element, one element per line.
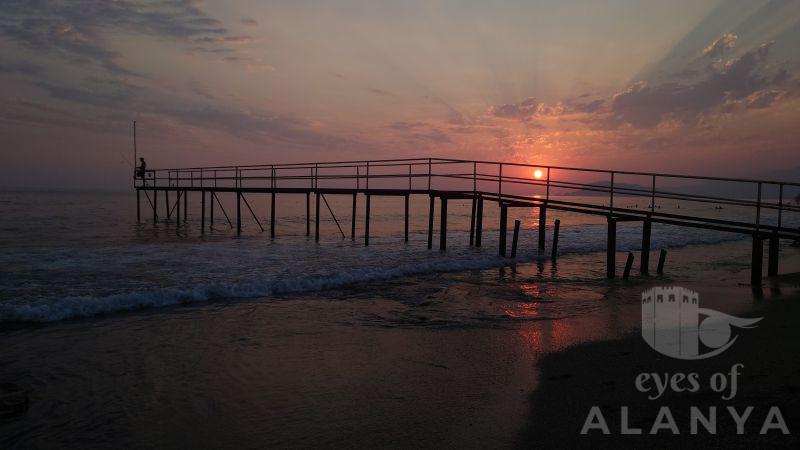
<point x="530" y="108"/>
<point x="21" y="68"/>
<point x="75" y="30"/>
<point x="718" y="47"/>
<point x="249" y="22"/>
<point x="644" y="105"/>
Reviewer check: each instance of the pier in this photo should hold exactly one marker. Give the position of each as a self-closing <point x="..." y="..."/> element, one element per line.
<point x="509" y="185"/>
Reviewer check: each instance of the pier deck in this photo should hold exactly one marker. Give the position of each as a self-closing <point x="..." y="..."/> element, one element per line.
<point x="759" y="207"/>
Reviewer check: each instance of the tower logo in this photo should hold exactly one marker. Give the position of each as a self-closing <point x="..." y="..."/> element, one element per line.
<point x="674" y="325"/>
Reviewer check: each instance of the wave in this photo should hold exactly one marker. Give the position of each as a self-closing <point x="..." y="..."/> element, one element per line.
<point x="584" y="239"/>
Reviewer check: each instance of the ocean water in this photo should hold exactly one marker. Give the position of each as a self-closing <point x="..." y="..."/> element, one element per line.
<point x="159" y="337"/>
<point x="82" y="254"/>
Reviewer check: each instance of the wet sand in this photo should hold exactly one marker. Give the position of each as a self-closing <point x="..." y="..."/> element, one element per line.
<point x="603" y="374"/>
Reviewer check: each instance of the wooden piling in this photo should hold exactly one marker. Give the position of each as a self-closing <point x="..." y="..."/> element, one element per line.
<point x="138" y="206"/>
<point x="556" y="227"/>
<point x="238" y="212"/>
<point x="472" y="221"/>
<point x="443" y="224"/>
<point x="177" y="209"/>
<point x="515" y="239"/>
<point x="542" y="226"/>
<point x="644" y="264"/>
<point x="662" y="257"/>
<point x="308" y="213"/>
<point x="169" y="206"/>
<point x="628" y="264"/>
<point x="353" y="223"/>
<point x="405" y="219"/>
<point x="185" y="206"/>
<point x="774" y="251"/>
<point x="366" y="222"/>
<point x="611" y="248"/>
<point x="316" y="217"/>
<point x="503" y="229"/>
<point x="272" y="216"/>
<point x="756" y="265"/>
<point x="202" y="212"/>
<point x="479" y="222"/>
<point x="155" y="207"/>
<point x="430" y="223"/>
<point x="211" y="212"/>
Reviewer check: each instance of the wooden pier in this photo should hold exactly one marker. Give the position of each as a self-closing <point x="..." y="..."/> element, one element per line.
<point x="510" y="185"/>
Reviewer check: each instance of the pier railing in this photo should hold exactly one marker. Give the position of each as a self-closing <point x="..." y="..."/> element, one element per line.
<point x="760" y="205"/>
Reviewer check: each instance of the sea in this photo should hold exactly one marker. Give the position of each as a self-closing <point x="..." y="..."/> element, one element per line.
<point x="126" y="333"/>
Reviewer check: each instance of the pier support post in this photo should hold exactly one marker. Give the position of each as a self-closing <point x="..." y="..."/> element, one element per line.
<point x="202" y="212"/>
<point x="405" y="222"/>
<point x="644" y="264"/>
<point x="515" y="239"/>
<point x="611" y="248"/>
<point x="366" y="222"/>
<point x="316" y="217"/>
<point x="272" y="216"/>
<point x="177" y="209"/>
<point x="353" y="222"/>
<point x="774" y="251"/>
<point x="138" y="206"/>
<point x="443" y="225"/>
<point x="430" y="223"/>
<point x="556" y="227"/>
<point x="662" y="258"/>
<point x="211" y="213"/>
<point x="542" y="226"/>
<point x="185" y="206"/>
<point x="308" y="213"/>
<point x="472" y="221"/>
<point x="479" y="222"/>
<point x="628" y="264"/>
<point x="169" y="205"/>
<point x="503" y="229"/>
<point x="756" y="265"/>
<point x="238" y="212"/>
<point x="155" y="206"/>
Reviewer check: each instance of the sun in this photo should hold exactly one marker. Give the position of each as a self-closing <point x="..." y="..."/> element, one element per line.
<point x="537" y="173"/>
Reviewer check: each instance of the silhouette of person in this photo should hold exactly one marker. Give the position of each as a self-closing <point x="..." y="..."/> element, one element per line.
<point x="141" y="169"/>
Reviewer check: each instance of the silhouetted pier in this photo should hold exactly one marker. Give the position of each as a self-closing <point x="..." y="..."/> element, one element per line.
<point x="510" y="185"/>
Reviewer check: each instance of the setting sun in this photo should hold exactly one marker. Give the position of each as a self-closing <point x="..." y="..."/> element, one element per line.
<point x="537" y="174"/>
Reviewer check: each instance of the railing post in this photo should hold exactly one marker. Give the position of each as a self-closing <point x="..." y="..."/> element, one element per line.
<point x="758" y="209"/>
<point x="500" y="182"/>
<point x="611" y="199"/>
<point x="547" y="194"/>
<point x="430" y="167"/>
<point x="367" y="181"/>
<point x="653" y="196"/>
<point x="474" y="179"/>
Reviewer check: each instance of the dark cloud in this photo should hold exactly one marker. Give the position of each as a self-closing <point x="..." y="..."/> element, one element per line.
<point x="643" y="105"/>
<point x="249" y="22"/>
<point x="21" y="68"/>
<point x="74" y="29"/>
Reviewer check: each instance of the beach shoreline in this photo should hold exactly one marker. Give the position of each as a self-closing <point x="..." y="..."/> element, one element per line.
<point x="602" y="376"/>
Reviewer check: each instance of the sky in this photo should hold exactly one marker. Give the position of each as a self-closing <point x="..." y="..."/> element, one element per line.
<point x="686" y="86"/>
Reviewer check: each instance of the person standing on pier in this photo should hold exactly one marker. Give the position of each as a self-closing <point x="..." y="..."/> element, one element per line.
<point x="140" y="171"/>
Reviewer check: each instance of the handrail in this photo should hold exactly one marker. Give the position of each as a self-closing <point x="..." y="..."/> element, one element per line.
<point x="502" y="178"/>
